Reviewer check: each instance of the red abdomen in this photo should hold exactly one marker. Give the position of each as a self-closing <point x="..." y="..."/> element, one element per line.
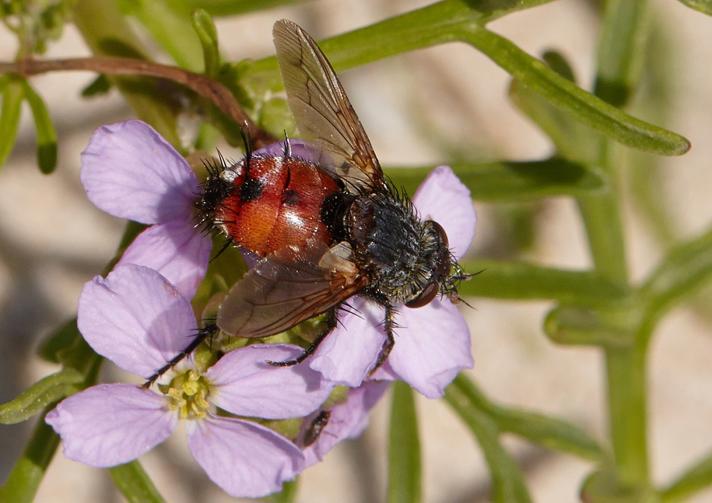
<point x="277" y="202"/>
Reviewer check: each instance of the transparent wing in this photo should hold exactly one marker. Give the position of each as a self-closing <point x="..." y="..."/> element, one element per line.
<point x="321" y="108"/>
<point x="286" y="288"/>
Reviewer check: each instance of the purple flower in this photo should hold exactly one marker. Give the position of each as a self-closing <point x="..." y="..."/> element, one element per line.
<point x="432" y="342"/>
<point x="345" y="420"/>
<point x="137" y="319"/>
<point x="130" y="171"/>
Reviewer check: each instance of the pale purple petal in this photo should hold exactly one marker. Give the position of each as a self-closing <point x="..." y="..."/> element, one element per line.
<point x="444" y="198"/>
<point x="247" y="385"/>
<point x="432" y="346"/>
<point x="244" y="458"/>
<point x="130" y="171"/>
<point x="346" y="420"/>
<point x="299" y="149"/>
<point x="111" y="424"/>
<point x="174" y="249"/>
<point x="348" y="353"/>
<point x="135" y="318"/>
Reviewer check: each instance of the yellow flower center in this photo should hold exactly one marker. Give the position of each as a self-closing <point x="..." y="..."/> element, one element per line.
<point x="188" y="395"/>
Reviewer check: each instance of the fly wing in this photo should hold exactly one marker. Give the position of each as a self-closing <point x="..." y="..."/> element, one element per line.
<point x="288" y="287"/>
<point x="321" y="108"/>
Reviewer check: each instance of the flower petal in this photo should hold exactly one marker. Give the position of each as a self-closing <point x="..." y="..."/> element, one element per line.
<point x="346" y="420"/>
<point x="130" y="171"/>
<point x="248" y="386"/>
<point x="135" y="318"/>
<point x="347" y="354"/>
<point x="243" y="458"/>
<point x="299" y="149"/>
<point x="175" y="250"/>
<point x="432" y="346"/>
<point x="444" y="198"/>
<point x="110" y="424"/>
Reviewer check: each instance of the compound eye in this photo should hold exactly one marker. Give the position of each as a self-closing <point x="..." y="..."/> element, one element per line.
<point x="425" y="296"/>
<point x="441" y="233"/>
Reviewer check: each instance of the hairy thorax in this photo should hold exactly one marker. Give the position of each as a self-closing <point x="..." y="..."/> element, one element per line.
<point x="395" y="248"/>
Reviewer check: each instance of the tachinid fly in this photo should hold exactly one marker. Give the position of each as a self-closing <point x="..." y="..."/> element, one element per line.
<point x="323" y="231"/>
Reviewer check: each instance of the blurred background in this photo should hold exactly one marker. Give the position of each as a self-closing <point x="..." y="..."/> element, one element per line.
<point x="448" y="102"/>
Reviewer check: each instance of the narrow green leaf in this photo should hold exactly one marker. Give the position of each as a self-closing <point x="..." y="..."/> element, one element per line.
<point x="507" y="480"/>
<point x="134" y="483"/>
<point x="549" y="432"/>
<point x="404" y="471"/>
<point x="573" y="139"/>
<point x="97" y="87"/>
<point x="561" y="92"/>
<point x="41" y="394"/>
<point x="44" y="130"/>
<point x="520" y="280"/>
<point x="694" y="479"/>
<point x="703" y="6"/>
<point x="687" y="267"/>
<point x="546" y="431"/>
<point x="612" y="327"/>
<point x="231" y="7"/>
<point x="208" y="36"/>
<point x="170" y="26"/>
<point x="288" y="494"/>
<point x="621" y="50"/>
<point x="25" y="477"/>
<point x="511" y="181"/>
<point x="425" y="27"/>
<point x="12" y="97"/>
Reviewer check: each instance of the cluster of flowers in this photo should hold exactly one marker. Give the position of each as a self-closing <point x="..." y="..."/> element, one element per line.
<point x="140" y="316"/>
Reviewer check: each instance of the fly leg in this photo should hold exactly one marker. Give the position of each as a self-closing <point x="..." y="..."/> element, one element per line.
<point x="389" y="325"/>
<point x="330" y="325"/>
<point x="202" y="334"/>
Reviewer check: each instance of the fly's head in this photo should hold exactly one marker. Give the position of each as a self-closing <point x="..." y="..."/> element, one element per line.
<point x="440" y="272"/>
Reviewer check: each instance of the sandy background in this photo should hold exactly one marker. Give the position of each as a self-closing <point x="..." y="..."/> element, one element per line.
<point x="52" y="240"/>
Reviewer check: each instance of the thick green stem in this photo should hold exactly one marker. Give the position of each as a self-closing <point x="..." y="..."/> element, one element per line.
<point x="626" y="369"/>
<point x="25" y="477"/>
<point x="626" y="375"/>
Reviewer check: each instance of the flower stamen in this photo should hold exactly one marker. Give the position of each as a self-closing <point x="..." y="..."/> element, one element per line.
<point x="188" y="394"/>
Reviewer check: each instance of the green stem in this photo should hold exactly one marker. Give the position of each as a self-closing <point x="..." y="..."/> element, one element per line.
<point x="626" y="368"/>
<point x="135" y="485"/>
<point x="404" y="485"/>
<point x="25" y="477"/>
<point x="626" y="375"/>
